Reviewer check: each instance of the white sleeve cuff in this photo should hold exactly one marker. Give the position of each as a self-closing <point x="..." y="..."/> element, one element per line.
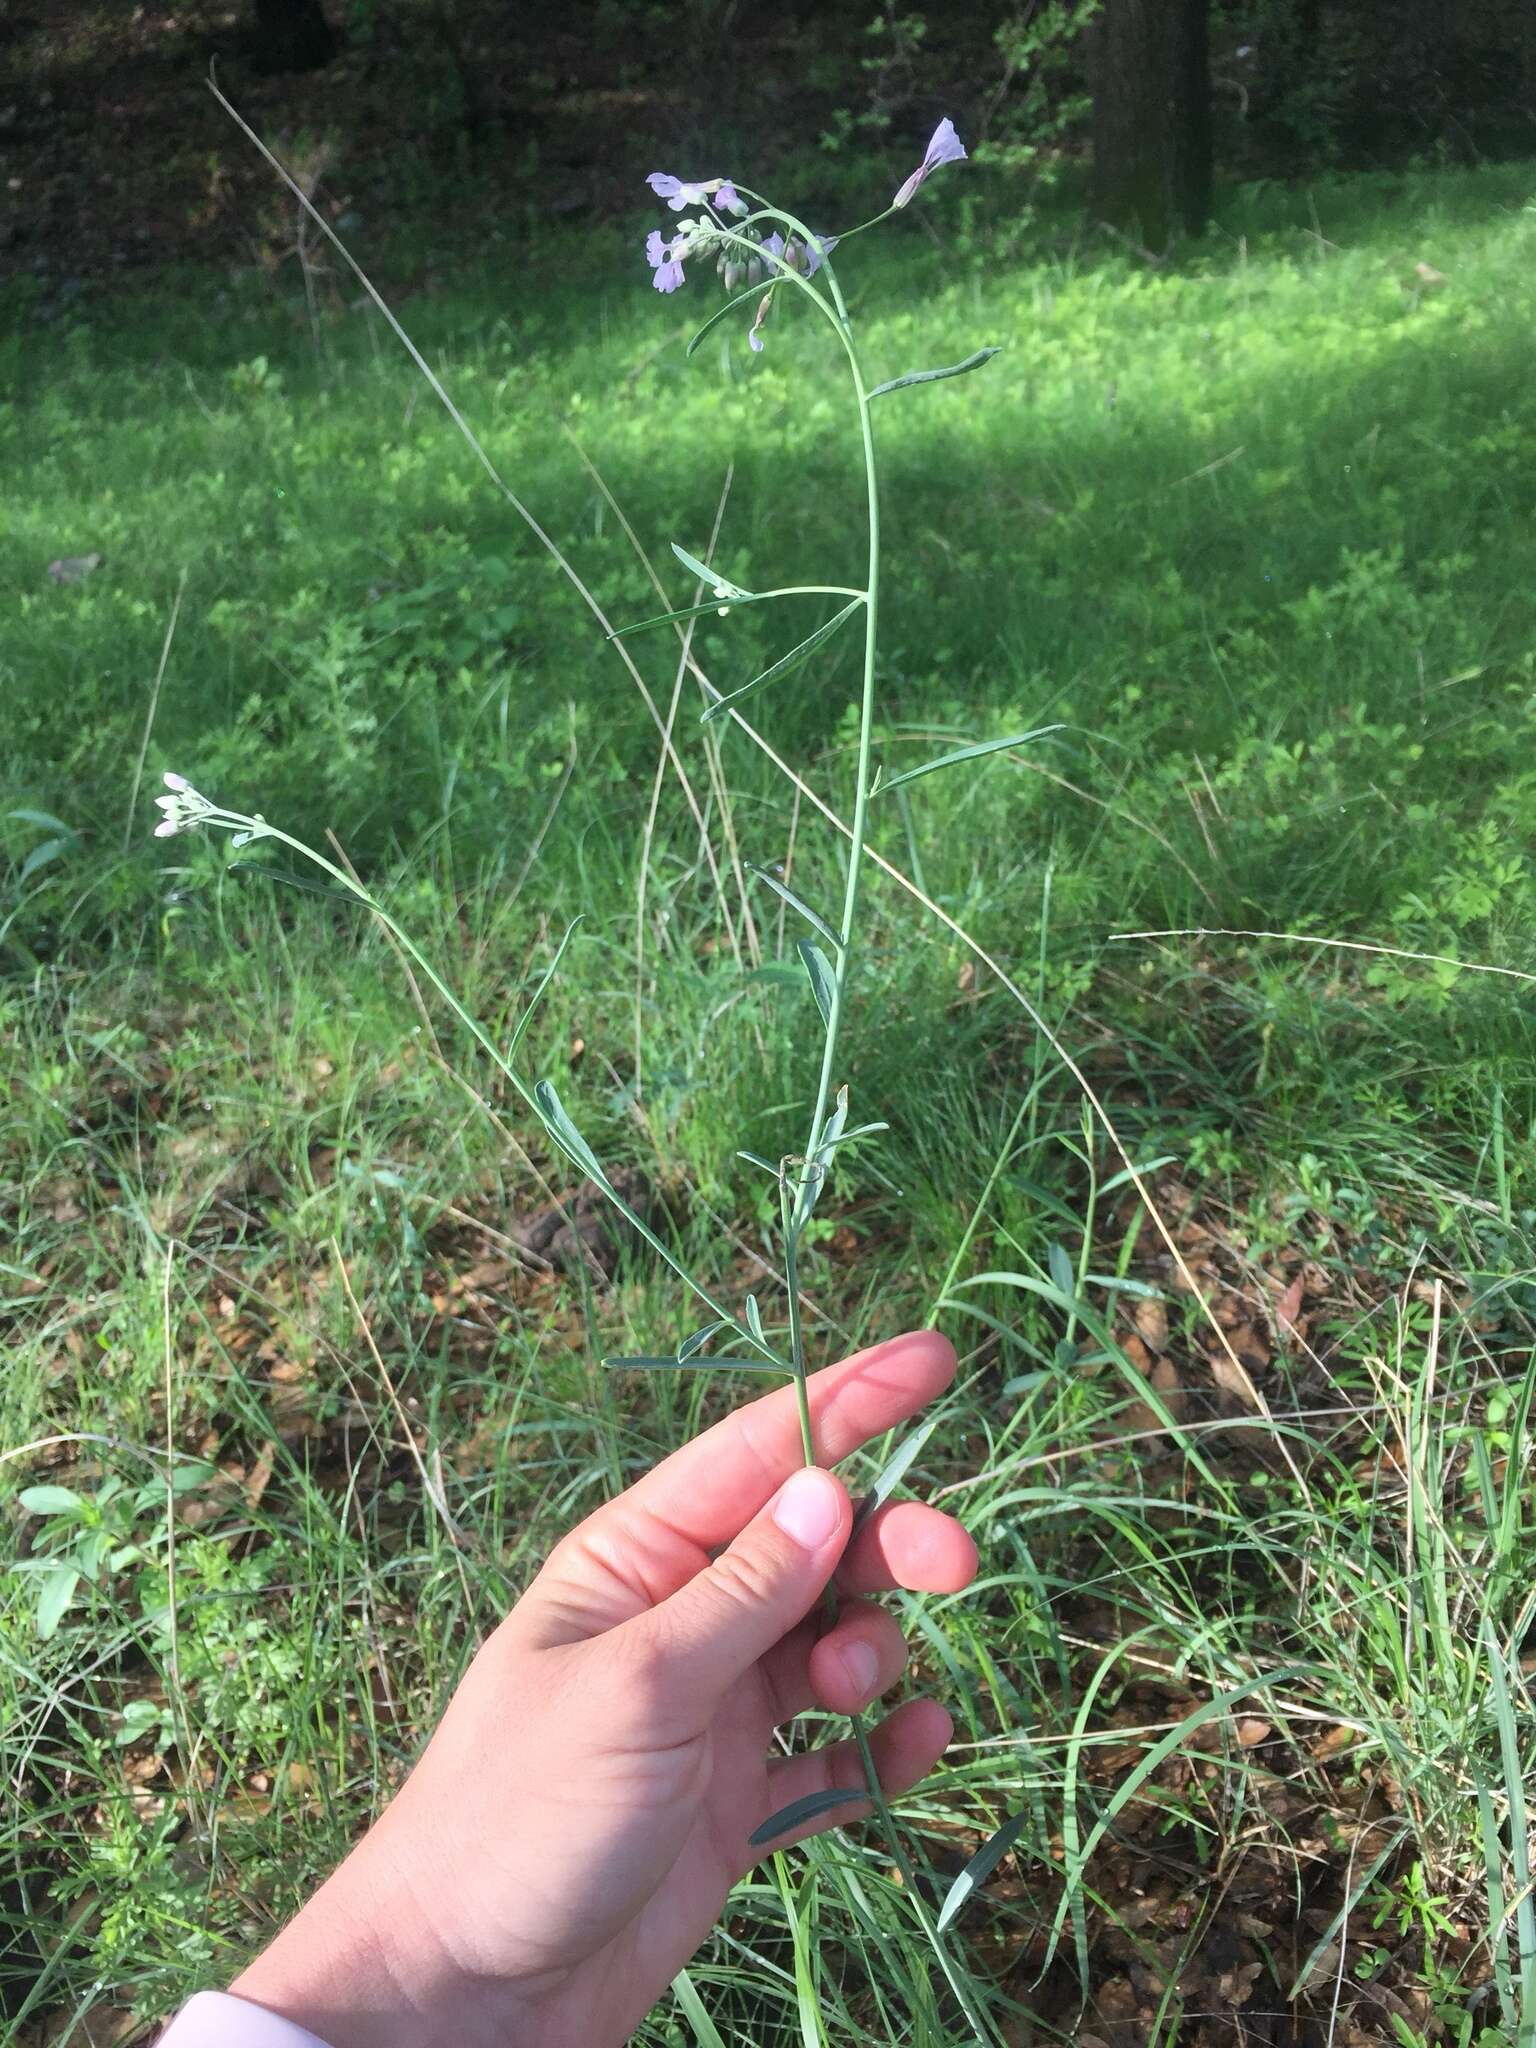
<point x="214" y="2020"/>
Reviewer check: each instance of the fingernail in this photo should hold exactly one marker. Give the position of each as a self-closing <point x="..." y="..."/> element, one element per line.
<point x="808" y="1507"/>
<point x="863" y="1669"/>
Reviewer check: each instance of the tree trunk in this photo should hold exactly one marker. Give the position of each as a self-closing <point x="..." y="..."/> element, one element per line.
<point x="293" y="35"/>
<point x="1151" y="79"/>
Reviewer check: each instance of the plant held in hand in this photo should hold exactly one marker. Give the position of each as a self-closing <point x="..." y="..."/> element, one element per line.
<point x="762" y="247"/>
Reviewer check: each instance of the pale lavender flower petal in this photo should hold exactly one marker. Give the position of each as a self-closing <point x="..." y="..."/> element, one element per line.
<point x="755" y="342"/>
<point x="728" y="199"/>
<point x="944" y="147"/>
<point x="773" y="249"/>
<point x="166" y="829"/>
<point x="677" y="192"/>
<point x="664" y="260"/>
<point x="176" y="782"/>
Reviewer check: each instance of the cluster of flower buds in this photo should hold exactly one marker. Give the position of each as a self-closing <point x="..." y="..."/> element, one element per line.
<point x="183" y="808"/>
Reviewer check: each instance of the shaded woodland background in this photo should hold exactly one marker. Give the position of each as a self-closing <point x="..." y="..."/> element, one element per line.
<point x="115" y="156"/>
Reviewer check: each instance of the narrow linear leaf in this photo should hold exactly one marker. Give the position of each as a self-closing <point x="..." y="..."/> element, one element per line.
<point x="538" y="995"/>
<point x="786" y="662"/>
<point x="981" y="1867"/>
<point x="755" y="1319"/>
<point x="816" y="1167"/>
<point x="251" y="867"/>
<point x="799" y="1811"/>
<point x="692" y="1346"/>
<point x="1063" y="1272"/>
<point x="892" y="1474"/>
<point x="818" y="969"/>
<point x="753" y="292"/>
<point x="975" y="753"/>
<point x="722" y="585"/>
<point x="757" y="1159"/>
<point x="705" y="2033"/>
<point x="982" y="355"/>
<point x="558" y="1123"/>
<point x="813" y="918"/>
<point x="645" y="1364"/>
<point x="687" y="611"/>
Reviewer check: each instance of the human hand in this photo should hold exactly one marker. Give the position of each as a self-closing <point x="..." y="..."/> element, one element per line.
<point x="571" y="1832"/>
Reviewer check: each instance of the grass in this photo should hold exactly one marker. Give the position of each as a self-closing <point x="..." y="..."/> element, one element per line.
<point x="1257" y="530"/>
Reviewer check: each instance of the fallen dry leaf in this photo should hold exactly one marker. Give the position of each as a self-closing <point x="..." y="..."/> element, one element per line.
<point x="1151" y="1320"/>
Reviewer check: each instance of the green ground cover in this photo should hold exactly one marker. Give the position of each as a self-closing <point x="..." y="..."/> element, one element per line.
<point x="1256" y="530"/>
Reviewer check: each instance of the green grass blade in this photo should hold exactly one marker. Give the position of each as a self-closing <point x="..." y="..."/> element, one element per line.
<point x="1519" y="1828"/>
<point x="538" y="995"/>
<point x="975" y="753"/>
<point x="982" y="355"/>
<point x="705" y="2033"/>
<point x="786" y="662"/>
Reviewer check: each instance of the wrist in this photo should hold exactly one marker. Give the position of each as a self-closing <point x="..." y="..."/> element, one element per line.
<point x="361" y="1967"/>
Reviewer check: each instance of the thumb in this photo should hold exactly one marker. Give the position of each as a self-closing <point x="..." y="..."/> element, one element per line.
<point x="734" y="1611"/>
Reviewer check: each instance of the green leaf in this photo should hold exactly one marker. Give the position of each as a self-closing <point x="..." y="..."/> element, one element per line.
<point x="753" y="292"/>
<point x="645" y="1364"/>
<point x="755" y="1319"/>
<point x="692" y="1346"/>
<point x="757" y="1159"/>
<point x="818" y="970"/>
<point x="705" y="2033"/>
<point x="975" y="753"/>
<point x="51" y="1500"/>
<point x="813" y="918"/>
<point x="196" y="1473"/>
<point x="895" y="1470"/>
<point x="45" y="821"/>
<point x="251" y="867"/>
<point x="565" y="1133"/>
<point x="538" y="995"/>
<point x="687" y="611"/>
<point x="799" y="1811"/>
<point x="39" y="857"/>
<point x="726" y="591"/>
<point x="786" y="662"/>
<point x="53" y="1601"/>
<point x="1062" y="1271"/>
<point x="981" y="1866"/>
<point x="982" y="355"/>
<point x="816" y="1167"/>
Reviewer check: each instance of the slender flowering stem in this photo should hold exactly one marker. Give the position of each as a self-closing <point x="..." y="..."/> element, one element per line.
<point x="199" y="811"/>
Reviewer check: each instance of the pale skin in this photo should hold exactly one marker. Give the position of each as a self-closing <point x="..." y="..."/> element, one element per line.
<point x="570" y="1834"/>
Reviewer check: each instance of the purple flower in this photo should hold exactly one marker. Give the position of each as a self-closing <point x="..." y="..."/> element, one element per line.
<point x="676" y="191"/>
<point x="806" y="256"/>
<point x="665" y="258"/>
<point x="681" y="192"/>
<point x="944" y="147"/>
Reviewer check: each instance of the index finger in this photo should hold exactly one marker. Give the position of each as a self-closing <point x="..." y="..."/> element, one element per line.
<point x="708" y="1491"/>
